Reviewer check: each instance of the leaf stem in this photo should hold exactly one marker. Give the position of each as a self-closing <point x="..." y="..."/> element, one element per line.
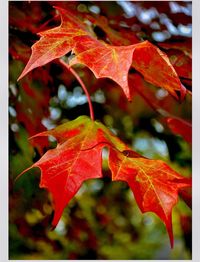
<point x="82" y="85"/>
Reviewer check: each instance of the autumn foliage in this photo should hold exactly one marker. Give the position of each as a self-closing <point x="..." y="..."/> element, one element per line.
<point x="75" y="44"/>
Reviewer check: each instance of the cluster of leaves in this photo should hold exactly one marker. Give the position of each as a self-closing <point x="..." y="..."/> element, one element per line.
<point x="110" y="52"/>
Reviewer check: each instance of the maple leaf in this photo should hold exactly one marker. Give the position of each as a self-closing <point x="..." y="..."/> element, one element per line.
<point x="72" y="34"/>
<point x="115" y="61"/>
<point x="18" y="50"/>
<point x="76" y="158"/>
<point x="56" y="42"/>
<point x="104" y="60"/>
<point x="185" y="47"/>
<point x="31" y="107"/>
<point x="26" y="18"/>
<point x="180" y="127"/>
<point x="154" y="184"/>
<point x="156" y="68"/>
<point x="181" y="63"/>
<point x="186" y="195"/>
<point x="116" y="37"/>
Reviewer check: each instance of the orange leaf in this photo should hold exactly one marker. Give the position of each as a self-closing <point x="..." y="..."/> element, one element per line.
<point x="156" y="68"/>
<point x="56" y="42"/>
<point x="154" y="184"/>
<point x="105" y="60"/>
<point x="76" y="158"/>
<point x="180" y="127"/>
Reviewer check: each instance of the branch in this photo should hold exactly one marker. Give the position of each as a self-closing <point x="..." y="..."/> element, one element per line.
<point x="82" y="85"/>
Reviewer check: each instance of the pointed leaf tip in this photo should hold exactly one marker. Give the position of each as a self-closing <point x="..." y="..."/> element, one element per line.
<point x="154" y="184"/>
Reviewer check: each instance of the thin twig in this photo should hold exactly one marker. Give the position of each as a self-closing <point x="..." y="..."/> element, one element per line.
<point x="82" y="85"/>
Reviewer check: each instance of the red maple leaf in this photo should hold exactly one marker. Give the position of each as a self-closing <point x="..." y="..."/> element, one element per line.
<point x="104" y="60"/>
<point x="56" y="42"/>
<point x="156" y="68"/>
<point x="78" y="157"/>
<point x="180" y="127"/>
<point x="154" y="184"/>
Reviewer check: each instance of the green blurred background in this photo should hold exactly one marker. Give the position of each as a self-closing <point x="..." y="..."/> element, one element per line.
<point x="103" y="220"/>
